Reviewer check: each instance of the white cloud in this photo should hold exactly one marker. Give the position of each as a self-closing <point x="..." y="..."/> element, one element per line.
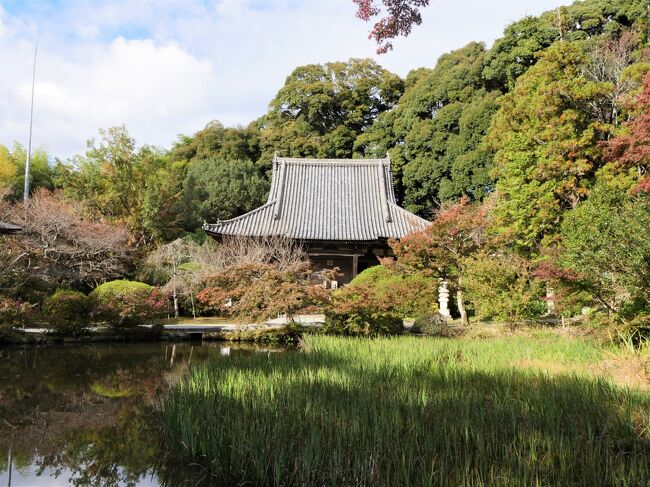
<point x="169" y="66"/>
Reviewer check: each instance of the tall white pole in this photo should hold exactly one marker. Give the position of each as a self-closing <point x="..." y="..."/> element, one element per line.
<point x="31" y="120"/>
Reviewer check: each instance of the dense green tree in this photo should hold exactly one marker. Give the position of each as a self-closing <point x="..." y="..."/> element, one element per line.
<point x="525" y="40"/>
<point x="546" y="140"/>
<point x="108" y="178"/>
<point x="160" y="202"/>
<point x="321" y="109"/>
<point x="12" y="170"/>
<point x="501" y="286"/>
<point x="606" y="241"/>
<point x="120" y="183"/>
<point x="434" y="134"/>
<point x="216" y="189"/>
<point x="218" y="142"/>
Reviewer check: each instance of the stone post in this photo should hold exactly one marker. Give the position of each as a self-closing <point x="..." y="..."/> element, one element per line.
<point x="443" y="298"/>
<point x="550" y="302"/>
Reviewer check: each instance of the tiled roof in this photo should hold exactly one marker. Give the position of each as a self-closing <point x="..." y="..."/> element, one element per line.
<point x="8" y="228"/>
<point x="326" y="199"/>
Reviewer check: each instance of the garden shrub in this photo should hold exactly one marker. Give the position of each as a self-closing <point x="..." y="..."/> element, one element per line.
<point x="356" y="311"/>
<point x="362" y="324"/>
<point x="67" y="312"/>
<point x="13" y="313"/>
<point x="125" y="304"/>
<point x="503" y="287"/>
<point x="406" y="295"/>
<point x="256" y="292"/>
<point x="432" y="324"/>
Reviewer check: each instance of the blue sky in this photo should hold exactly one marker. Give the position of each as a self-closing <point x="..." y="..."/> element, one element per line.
<point x="166" y="67"/>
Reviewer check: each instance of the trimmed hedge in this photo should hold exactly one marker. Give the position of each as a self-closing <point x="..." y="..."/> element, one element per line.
<point x="67" y="312"/>
<point x="126" y="304"/>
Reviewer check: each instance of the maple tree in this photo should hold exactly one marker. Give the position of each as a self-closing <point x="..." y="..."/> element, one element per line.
<point x="62" y="246"/>
<point x="399" y="17"/>
<point x="457" y="232"/>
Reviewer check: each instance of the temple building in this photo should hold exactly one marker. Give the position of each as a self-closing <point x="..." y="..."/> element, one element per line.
<point x="342" y="211"/>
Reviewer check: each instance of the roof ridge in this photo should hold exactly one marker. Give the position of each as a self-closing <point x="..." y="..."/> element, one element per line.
<point x="347" y="162"/>
<point x="225" y="222"/>
<point x="282" y="177"/>
<point x="408" y="213"/>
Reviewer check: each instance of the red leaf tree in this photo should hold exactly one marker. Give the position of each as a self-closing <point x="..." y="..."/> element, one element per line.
<point x="399" y="17"/>
<point x="457" y="232"/>
<point x="629" y="152"/>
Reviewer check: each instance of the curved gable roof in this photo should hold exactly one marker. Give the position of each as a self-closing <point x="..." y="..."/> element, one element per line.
<point x="326" y="199"/>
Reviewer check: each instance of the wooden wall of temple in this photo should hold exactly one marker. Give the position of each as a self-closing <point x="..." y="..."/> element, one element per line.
<point x="350" y="261"/>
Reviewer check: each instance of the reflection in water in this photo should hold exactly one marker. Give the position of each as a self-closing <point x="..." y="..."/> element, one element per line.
<point x="83" y="414"/>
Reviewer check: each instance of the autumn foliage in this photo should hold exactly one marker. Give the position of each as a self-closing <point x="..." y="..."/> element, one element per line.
<point x="256" y="292"/>
<point x="61" y="244"/>
<point x="399" y="18"/>
<point x="630" y="151"/>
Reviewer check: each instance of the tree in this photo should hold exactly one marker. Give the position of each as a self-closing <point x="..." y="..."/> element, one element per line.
<point x="216" y="141"/>
<point x="107" y="179"/>
<point x="12" y="170"/>
<point x="525" y="40"/>
<point x="169" y="258"/>
<point x="400" y="17"/>
<point x="321" y="109"/>
<point x="546" y="143"/>
<point x="456" y="232"/>
<point x="606" y="241"/>
<point x="628" y="154"/>
<point x="434" y="134"/>
<point x="256" y="279"/>
<point x="61" y="246"/>
<point x="503" y="286"/>
<point x="161" y="209"/>
<point x="221" y="189"/>
<point x="138" y="188"/>
<point x="610" y="61"/>
<point x="513" y="54"/>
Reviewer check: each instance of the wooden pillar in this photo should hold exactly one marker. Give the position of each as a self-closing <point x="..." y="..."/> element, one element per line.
<point x="355" y="266"/>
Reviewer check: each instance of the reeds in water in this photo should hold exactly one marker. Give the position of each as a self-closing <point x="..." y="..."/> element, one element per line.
<point x="408" y="412"/>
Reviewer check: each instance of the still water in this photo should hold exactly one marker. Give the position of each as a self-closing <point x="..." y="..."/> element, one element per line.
<point x="84" y="414"/>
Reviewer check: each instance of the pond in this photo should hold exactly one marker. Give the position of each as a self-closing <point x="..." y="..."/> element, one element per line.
<point x="84" y="414"/>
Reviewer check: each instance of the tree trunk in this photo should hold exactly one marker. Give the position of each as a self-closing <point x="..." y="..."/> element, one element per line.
<point x="176" y="314"/>
<point x="460" y="302"/>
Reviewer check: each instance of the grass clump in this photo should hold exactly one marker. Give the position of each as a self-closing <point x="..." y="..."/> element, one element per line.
<point x="408" y="411"/>
<point x="287" y="335"/>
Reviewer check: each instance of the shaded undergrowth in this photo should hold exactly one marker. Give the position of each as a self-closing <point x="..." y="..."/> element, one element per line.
<point x="404" y="411"/>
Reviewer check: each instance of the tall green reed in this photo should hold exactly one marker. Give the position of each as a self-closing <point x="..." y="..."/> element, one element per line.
<point x="408" y="411"/>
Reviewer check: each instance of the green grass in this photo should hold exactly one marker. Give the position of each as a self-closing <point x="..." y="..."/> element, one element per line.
<point x="409" y="411"/>
<point x="203" y="320"/>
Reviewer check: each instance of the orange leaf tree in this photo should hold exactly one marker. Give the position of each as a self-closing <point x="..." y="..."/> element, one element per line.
<point x="456" y="232"/>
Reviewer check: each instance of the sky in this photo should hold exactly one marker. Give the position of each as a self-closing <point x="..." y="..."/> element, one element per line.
<point x="168" y="67"/>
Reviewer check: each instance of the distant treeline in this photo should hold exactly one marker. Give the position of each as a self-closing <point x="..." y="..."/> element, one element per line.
<point x="527" y="119"/>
